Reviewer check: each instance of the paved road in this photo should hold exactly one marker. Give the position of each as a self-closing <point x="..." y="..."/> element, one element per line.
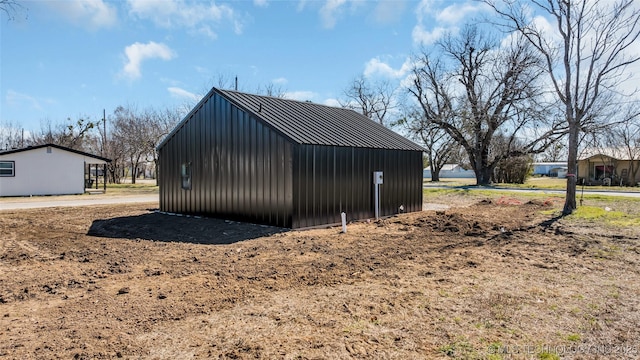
<point x="634" y="194"/>
<point x="72" y="200"/>
<point x="85" y="200"/>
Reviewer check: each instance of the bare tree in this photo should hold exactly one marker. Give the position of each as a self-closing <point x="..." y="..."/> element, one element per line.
<point x="11" y="136"/>
<point x="161" y="122"/>
<point x="71" y="134"/>
<point x="130" y="129"/>
<point x="373" y="100"/>
<point x="555" y="153"/>
<point x="271" y="89"/>
<point x="436" y="107"/>
<point x="11" y="8"/>
<point x="497" y="96"/>
<point x="441" y="148"/>
<point x="585" y="57"/>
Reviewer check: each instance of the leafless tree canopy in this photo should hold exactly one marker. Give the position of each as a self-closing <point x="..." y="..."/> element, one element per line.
<point x="585" y="56"/>
<point x="12" y="8"/>
<point x="136" y="133"/>
<point x="373" y="99"/>
<point x="482" y="92"/>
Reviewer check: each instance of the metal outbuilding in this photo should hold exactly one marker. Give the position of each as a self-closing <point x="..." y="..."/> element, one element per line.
<point x="285" y="163"/>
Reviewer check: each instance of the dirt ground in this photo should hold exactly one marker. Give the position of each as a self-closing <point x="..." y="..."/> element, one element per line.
<point x="491" y="279"/>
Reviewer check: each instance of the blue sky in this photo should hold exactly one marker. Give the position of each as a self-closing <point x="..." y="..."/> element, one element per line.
<point x="64" y="59"/>
<point x="72" y="58"/>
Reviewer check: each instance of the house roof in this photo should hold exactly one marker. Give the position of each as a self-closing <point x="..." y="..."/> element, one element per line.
<point x="618" y="153"/>
<point x="447" y="167"/>
<point x="29" y="148"/>
<point x="315" y="124"/>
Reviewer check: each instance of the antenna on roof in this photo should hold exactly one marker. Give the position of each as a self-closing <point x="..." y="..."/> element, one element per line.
<point x="260" y="108"/>
<point x="236" y="83"/>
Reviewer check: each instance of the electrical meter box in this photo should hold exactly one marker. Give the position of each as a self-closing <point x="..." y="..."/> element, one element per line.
<point x="377" y="177"/>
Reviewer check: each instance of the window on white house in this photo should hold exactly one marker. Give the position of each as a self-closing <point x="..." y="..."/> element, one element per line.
<point x="7" y="168"/>
<point x="186" y="175"/>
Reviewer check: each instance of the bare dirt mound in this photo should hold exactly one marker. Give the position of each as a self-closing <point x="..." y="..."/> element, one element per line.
<point x="123" y="281"/>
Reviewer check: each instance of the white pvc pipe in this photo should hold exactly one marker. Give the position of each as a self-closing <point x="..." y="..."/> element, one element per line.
<point x="343" y="215"/>
<point x="376" y="201"/>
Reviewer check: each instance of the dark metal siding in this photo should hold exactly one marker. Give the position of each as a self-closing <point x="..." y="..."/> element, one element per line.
<point x="240" y="168"/>
<point x="332" y="179"/>
<point x="245" y="168"/>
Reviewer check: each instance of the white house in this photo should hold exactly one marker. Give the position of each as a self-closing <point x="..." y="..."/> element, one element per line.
<point x="450" y="171"/>
<point x="45" y="170"/>
<point x="553" y="169"/>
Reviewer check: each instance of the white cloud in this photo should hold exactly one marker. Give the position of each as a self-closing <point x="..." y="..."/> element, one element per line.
<point x="183" y="94"/>
<point x="92" y="14"/>
<point x="299" y="95"/>
<point x="301" y="5"/>
<point x="433" y="22"/>
<point x="261" y="3"/>
<point x="193" y="15"/>
<point x="387" y="12"/>
<point x="280" y="81"/>
<point x="421" y="36"/>
<point x="377" y="67"/>
<point x="455" y="14"/>
<point x="136" y="53"/>
<point x="330" y="12"/>
<point x="16" y="98"/>
<point x="332" y="102"/>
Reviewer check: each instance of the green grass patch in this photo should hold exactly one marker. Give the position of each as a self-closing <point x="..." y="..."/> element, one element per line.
<point x="602" y="215"/>
<point x="573" y="337"/>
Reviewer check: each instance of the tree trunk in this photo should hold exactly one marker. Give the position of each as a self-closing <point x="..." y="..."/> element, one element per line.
<point x="483" y="176"/>
<point x="482" y="169"/>
<point x="435" y="175"/>
<point x="156" y="171"/>
<point x="134" y="169"/>
<point x="572" y="169"/>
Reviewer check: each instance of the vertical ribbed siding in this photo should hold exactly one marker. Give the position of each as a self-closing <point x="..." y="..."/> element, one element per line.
<point x="240" y="168"/>
<point x="331" y="179"/>
<point x="243" y="169"/>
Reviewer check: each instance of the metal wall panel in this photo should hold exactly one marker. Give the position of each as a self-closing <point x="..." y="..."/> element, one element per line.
<point x="330" y="180"/>
<point x="240" y="168"/>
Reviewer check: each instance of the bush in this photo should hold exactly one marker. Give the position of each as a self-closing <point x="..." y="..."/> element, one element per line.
<point x="514" y="170"/>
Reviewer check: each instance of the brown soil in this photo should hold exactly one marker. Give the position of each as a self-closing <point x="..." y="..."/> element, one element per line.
<point x="496" y="278"/>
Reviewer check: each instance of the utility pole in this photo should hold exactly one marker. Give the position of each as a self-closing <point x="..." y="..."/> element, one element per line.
<point x="104" y="132"/>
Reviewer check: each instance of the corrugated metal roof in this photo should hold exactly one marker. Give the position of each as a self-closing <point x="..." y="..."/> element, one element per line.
<point x="310" y="123"/>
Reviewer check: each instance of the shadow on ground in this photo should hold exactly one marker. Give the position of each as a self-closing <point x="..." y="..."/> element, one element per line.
<point x="170" y="228"/>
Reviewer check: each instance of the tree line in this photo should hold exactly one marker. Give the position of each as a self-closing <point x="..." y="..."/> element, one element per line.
<point x="128" y="136"/>
<point x="494" y="104"/>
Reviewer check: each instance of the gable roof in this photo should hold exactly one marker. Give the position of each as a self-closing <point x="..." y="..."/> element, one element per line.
<point x="448" y="167"/>
<point x="29" y="148"/>
<point x="314" y="124"/>
<point x="618" y="153"/>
